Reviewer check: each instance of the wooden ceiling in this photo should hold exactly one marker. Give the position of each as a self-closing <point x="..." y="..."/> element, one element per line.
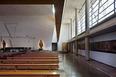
<point x="59" y="4"/>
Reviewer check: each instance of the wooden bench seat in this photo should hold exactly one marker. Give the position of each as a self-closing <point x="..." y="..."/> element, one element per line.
<point x="40" y="54"/>
<point x="7" y="66"/>
<point x="32" y="58"/>
<point x="29" y="66"/>
<point x="29" y="73"/>
<point x="8" y="54"/>
<point x="23" y="61"/>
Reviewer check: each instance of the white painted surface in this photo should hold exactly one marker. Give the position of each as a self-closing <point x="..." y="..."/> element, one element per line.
<point x="54" y="38"/>
<point x="106" y="37"/>
<point x="63" y="36"/>
<point x="107" y="58"/>
<point x="69" y="9"/>
<point x="25" y="10"/>
<point x="34" y="23"/>
<point x="74" y="50"/>
<point x="81" y="52"/>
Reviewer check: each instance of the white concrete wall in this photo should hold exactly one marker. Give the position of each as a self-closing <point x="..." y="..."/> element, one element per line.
<point x="18" y="42"/>
<point x="64" y="35"/>
<point x="106" y="37"/>
<point x="27" y="26"/>
<point x="74" y="49"/>
<point x="54" y="38"/>
<point x="81" y="52"/>
<point x="24" y="42"/>
<point x="106" y="58"/>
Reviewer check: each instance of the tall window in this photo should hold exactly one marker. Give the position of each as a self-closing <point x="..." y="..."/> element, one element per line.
<point x="81" y="20"/>
<point x="100" y="10"/>
<point x="73" y="28"/>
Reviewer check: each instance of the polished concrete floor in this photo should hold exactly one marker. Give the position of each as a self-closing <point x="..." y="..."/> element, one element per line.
<point x="69" y="66"/>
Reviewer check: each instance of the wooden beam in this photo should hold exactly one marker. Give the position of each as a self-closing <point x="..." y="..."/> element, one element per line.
<point x="27" y="1"/>
<point x="58" y="15"/>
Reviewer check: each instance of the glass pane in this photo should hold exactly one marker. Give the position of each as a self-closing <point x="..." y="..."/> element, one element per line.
<point x="81" y="20"/>
<point x="73" y="28"/>
<point x="101" y="10"/>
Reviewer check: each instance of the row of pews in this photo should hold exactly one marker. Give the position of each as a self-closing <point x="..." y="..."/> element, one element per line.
<point x="33" y="64"/>
<point x="8" y="54"/>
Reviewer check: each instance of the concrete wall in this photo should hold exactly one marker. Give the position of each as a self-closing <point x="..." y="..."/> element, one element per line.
<point x="64" y="35"/>
<point x="24" y="28"/>
<point x="54" y="38"/>
<point x="81" y="52"/>
<point x="107" y="58"/>
<point x="74" y="48"/>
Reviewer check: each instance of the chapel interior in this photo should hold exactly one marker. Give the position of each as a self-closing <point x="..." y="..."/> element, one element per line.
<point x="57" y="38"/>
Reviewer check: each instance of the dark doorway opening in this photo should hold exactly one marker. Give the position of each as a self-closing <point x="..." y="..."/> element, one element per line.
<point x="54" y="46"/>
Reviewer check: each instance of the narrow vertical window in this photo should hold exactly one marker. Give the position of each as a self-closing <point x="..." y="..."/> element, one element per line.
<point x="81" y="20"/>
<point x="73" y="28"/>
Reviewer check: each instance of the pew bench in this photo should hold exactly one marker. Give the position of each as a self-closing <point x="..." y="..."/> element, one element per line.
<point x="40" y="54"/>
<point x="29" y="73"/>
<point x="23" y="61"/>
<point x="29" y="66"/>
<point x="12" y="58"/>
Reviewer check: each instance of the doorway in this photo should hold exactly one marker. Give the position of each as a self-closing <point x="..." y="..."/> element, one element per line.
<point x="54" y="46"/>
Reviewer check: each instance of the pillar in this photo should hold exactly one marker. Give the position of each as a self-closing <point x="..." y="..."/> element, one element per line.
<point x="76" y="26"/>
<point x="71" y="27"/>
<point x="87" y="52"/>
<point x="76" y="22"/>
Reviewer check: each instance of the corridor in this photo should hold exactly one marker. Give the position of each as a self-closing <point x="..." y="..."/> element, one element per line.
<point x="70" y="67"/>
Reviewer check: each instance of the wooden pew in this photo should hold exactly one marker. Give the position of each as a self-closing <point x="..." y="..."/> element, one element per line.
<point x="8" y="66"/>
<point x="33" y="60"/>
<point x="29" y="73"/>
<point x="29" y="66"/>
<point x="40" y="54"/>
<point x="12" y="58"/>
<point x="27" y="61"/>
<point x="8" y="54"/>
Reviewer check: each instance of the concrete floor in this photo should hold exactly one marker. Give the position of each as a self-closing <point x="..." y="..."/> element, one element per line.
<point x="70" y="67"/>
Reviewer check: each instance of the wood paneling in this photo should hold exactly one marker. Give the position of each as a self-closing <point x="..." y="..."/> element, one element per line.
<point x="64" y="47"/>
